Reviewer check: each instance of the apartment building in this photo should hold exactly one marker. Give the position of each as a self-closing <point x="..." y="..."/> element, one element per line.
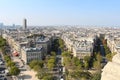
<point x="29" y="54"/>
<point x="79" y="44"/>
<point x="82" y="49"/>
<point x="32" y="48"/>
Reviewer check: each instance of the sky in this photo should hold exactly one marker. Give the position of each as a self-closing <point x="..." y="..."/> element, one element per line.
<point x="60" y="12"/>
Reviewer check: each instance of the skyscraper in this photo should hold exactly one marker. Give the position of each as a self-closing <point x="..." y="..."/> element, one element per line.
<point x="25" y="24"/>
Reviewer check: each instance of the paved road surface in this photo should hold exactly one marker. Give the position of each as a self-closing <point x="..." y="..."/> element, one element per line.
<point x="102" y="50"/>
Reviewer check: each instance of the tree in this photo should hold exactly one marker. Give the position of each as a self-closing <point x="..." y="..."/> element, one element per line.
<point x="87" y="58"/>
<point x="110" y="56"/>
<point x="66" y="54"/>
<point x="66" y="73"/>
<point x="48" y="77"/>
<point x="67" y="61"/>
<point x="41" y="73"/>
<point x="87" y="61"/>
<point x="32" y="64"/>
<point x="53" y="53"/>
<point x="96" y="76"/>
<point x="55" y="45"/>
<point x="7" y="58"/>
<point x="99" y="57"/>
<point x="107" y="50"/>
<point x="10" y="64"/>
<point x="36" y="68"/>
<point x="97" y="65"/>
<point x="80" y="66"/>
<point x="85" y="75"/>
<point x="14" y="71"/>
<point x="61" y="44"/>
<point x="86" y="65"/>
<point x="76" y="61"/>
<point x="80" y="75"/>
<point x="2" y="42"/>
<point x="36" y="62"/>
<point x="51" y="63"/>
<point x="40" y="63"/>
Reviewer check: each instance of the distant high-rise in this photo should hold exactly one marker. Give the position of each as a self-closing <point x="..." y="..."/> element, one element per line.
<point x="25" y="23"/>
<point x="1" y="25"/>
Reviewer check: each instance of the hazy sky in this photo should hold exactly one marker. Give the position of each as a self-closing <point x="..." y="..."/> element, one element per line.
<point x="60" y="12"/>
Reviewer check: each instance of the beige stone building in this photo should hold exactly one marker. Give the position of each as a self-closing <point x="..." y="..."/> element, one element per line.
<point x="33" y="48"/>
<point x="79" y="45"/>
<point x="82" y="49"/>
<point x="29" y="54"/>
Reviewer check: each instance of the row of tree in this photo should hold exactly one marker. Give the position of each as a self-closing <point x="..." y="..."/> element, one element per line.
<point x="13" y="70"/>
<point x="57" y="44"/>
<point x="80" y="67"/>
<point x="109" y="54"/>
<point x="76" y="68"/>
<point x="44" y="67"/>
<point x="42" y="72"/>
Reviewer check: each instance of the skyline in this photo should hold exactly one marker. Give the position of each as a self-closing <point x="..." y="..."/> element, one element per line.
<point x="64" y="12"/>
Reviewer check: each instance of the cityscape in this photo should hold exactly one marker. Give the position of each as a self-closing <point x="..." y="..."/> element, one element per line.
<point x="60" y="48"/>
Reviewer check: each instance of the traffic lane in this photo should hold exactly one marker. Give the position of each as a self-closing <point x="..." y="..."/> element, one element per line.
<point x="2" y="68"/>
<point x="59" y="52"/>
<point x="4" y="77"/>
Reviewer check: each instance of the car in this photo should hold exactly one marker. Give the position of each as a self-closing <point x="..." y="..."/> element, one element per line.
<point x="2" y="68"/>
<point x="1" y="63"/>
<point x="61" y="78"/>
<point x="1" y="60"/>
<point x="5" y="79"/>
<point x="2" y="72"/>
<point x="1" y="76"/>
<point x="55" y="69"/>
<point x="60" y="68"/>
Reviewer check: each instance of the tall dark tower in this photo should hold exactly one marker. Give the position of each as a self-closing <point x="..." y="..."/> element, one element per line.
<point x="25" y="24"/>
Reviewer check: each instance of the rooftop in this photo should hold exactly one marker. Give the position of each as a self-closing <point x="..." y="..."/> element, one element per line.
<point x="32" y="49"/>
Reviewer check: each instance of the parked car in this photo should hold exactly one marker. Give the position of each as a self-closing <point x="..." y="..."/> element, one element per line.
<point x="1" y="76"/>
<point x="2" y="72"/>
<point x="61" y="78"/>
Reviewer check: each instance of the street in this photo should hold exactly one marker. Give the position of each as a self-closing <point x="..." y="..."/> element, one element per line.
<point x="59" y="66"/>
<point x="3" y="69"/>
<point x="104" y="60"/>
<point x="102" y="51"/>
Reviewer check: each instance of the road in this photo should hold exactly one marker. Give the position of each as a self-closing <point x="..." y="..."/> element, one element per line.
<point x="59" y="66"/>
<point x="3" y="67"/>
<point x="102" y="50"/>
<point x="104" y="60"/>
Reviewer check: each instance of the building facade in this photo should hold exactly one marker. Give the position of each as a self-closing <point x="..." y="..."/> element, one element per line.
<point x="29" y="54"/>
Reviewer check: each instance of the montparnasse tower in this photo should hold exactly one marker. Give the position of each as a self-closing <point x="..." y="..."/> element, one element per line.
<point x="25" y="24"/>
